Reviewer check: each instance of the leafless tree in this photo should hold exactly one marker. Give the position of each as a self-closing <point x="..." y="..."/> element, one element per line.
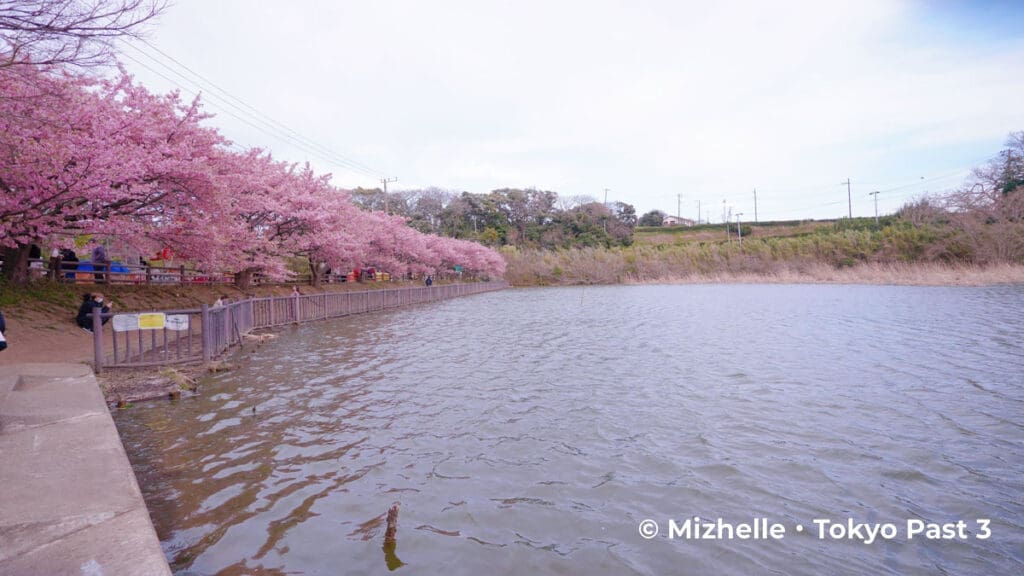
<point x="69" y="32"/>
<point x="566" y="203"/>
<point x="924" y="210"/>
<point x="988" y="212"/>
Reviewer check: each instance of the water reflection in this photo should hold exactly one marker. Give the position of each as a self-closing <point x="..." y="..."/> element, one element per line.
<point x="535" y="429"/>
<point x="391" y="559"/>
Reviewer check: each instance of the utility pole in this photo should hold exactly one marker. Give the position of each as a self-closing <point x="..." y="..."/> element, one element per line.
<point x="755" y="205"/>
<point x="606" y="207"/>
<point x="725" y="218"/>
<point x="849" y="199"/>
<point x="739" y="229"/>
<point x="875" y="194"/>
<point x="698" y="212"/>
<point x="385" y="181"/>
<point x="679" y="203"/>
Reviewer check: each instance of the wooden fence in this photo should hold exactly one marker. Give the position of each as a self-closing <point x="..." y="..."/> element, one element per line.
<point x="191" y="335"/>
<point x="85" y="272"/>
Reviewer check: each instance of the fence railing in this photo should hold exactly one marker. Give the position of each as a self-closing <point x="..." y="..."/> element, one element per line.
<point x="168" y="337"/>
<point x="87" y="272"/>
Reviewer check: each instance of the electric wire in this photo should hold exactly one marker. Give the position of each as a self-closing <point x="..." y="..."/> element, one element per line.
<point x="257" y="112"/>
<point x="218" y="102"/>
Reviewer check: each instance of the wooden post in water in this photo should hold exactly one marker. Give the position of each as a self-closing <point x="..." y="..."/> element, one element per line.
<point x="390" y="542"/>
<point x="392" y="529"/>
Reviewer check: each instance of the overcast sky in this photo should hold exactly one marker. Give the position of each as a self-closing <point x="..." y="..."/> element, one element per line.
<point x="707" y="100"/>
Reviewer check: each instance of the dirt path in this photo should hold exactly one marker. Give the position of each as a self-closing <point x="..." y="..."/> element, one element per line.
<point x="36" y="337"/>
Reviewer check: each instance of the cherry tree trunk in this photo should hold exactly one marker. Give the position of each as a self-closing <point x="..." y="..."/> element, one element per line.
<point x="16" y="263"/>
<point x="316" y="270"/>
<point x="243" y="278"/>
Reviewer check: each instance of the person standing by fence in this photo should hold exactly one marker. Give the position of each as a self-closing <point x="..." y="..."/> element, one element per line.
<point x="100" y="263"/>
<point x="69" y="263"/>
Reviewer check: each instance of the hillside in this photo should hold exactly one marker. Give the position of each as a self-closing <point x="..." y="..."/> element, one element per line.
<point x="717" y="232"/>
<point x="935" y="249"/>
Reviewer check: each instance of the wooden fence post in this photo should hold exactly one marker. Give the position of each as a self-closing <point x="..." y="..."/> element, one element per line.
<point x="206" y="335"/>
<point x="97" y="338"/>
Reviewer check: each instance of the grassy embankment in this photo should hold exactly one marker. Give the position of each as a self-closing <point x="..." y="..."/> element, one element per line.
<point x="844" y="251"/>
<point x="45" y="296"/>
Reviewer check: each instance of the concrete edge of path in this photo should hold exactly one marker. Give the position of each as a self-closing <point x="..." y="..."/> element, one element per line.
<point x="69" y="499"/>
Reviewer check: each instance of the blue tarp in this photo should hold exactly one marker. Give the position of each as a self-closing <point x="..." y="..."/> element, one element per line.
<point x="114" y="267"/>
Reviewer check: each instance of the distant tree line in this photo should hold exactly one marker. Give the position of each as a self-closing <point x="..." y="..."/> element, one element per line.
<point x="525" y="218"/>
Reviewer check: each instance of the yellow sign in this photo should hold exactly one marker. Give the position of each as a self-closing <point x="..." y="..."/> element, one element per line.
<point x="152" y="321"/>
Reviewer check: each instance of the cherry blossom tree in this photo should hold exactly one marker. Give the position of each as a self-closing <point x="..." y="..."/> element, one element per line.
<point x="107" y="157"/>
<point x="94" y="157"/>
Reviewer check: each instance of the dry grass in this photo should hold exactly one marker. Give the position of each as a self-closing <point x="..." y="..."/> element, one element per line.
<point x="729" y="264"/>
<point x="883" y="274"/>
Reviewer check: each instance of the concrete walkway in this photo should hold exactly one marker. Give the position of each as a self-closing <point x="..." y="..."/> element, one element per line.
<point x="69" y="502"/>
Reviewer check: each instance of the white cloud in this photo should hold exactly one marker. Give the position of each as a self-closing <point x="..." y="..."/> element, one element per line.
<point x="649" y="99"/>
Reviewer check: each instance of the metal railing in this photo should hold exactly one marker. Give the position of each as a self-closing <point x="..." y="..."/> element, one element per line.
<point x="201" y="334"/>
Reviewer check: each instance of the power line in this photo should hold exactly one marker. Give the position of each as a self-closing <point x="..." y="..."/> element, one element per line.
<point x="160" y="74"/>
<point x="256" y="111"/>
<point x="248" y="119"/>
<point x="958" y="174"/>
<point x="828" y="190"/>
<point x="254" y="119"/>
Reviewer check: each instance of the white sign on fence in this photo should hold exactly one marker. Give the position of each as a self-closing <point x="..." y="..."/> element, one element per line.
<point x="145" y="321"/>
<point x="177" y="322"/>
<point x="125" y="322"/>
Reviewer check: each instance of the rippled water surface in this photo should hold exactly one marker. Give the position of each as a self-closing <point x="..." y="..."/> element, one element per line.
<point x="530" y="432"/>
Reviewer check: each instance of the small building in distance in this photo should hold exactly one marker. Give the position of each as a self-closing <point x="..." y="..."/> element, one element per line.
<point x="676" y="221"/>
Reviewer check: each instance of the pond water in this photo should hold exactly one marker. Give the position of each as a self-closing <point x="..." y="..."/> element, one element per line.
<point x="531" y="431"/>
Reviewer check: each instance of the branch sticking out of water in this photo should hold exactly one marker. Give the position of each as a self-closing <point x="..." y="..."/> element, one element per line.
<point x="389" y="534"/>
<point x="390" y="544"/>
